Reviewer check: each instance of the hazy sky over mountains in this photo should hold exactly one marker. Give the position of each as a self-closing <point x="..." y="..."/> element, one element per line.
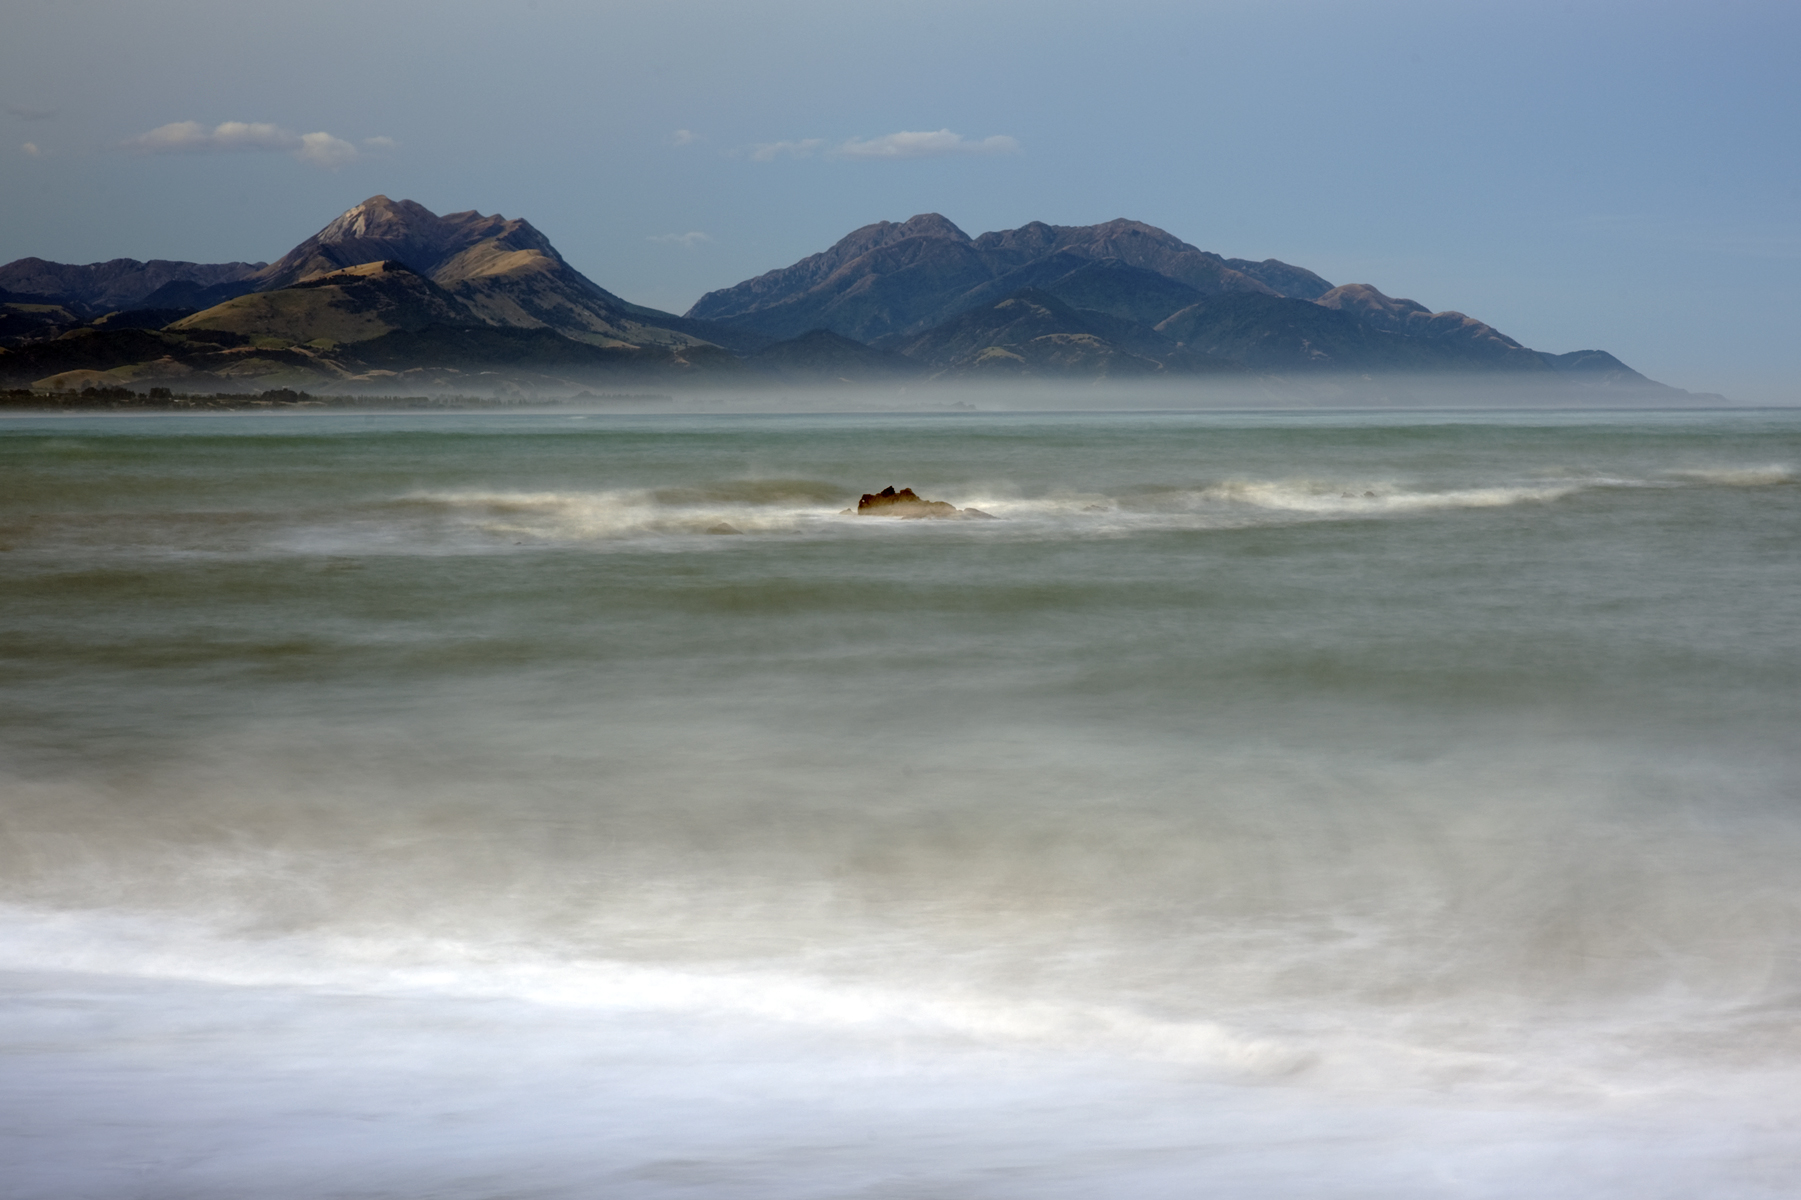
<point x="1579" y="175"/>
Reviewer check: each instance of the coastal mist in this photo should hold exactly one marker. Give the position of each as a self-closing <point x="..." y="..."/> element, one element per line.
<point x="584" y="804"/>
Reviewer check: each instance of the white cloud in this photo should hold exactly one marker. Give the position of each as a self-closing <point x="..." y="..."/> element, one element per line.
<point x="174" y="138"/>
<point x="31" y="150"/>
<point x="770" y="151"/>
<point x="939" y="144"/>
<point x="324" y="150"/>
<point x="684" y="137"/>
<point x="188" y="137"/>
<point x="191" y="137"/>
<point x="240" y="135"/>
<point x="686" y="241"/>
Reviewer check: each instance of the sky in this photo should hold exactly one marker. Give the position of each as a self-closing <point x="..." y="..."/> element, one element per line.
<point x="1579" y="175"/>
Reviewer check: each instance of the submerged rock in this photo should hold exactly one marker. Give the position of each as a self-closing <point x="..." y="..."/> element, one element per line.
<point x="909" y="505"/>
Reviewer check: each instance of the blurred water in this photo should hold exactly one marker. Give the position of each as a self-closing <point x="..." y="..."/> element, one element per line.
<point x="1339" y="804"/>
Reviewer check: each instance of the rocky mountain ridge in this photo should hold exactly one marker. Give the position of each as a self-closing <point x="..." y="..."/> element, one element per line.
<point x="500" y="271"/>
<point x="390" y="287"/>
<point x="386" y="287"/>
<point x="889" y="280"/>
<point x="118" y="284"/>
<point x="923" y="287"/>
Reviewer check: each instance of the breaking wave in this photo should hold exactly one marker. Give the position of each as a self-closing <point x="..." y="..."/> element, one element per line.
<point x="808" y="508"/>
<point x="188" y="951"/>
<point x="1773" y="475"/>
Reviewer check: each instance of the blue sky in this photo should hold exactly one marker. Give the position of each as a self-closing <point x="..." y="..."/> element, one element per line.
<point x="1623" y="176"/>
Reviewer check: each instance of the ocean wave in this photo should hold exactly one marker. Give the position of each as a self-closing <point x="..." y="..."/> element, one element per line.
<point x="627" y="513"/>
<point x="795" y="507"/>
<point x="790" y="508"/>
<point x="1335" y="499"/>
<point x="682" y="517"/>
<point x="191" y="950"/>
<point x="1771" y="475"/>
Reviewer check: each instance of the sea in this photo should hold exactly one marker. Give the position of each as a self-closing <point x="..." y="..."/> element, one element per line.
<point x="557" y="805"/>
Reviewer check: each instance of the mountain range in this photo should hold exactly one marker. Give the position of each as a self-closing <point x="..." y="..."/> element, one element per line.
<point x="390" y="294"/>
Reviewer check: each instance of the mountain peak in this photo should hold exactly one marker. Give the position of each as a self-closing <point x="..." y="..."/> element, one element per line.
<point x="890" y="280"/>
<point x="395" y="264"/>
<point x="379" y="216"/>
<point x="1127" y="227"/>
<point x="861" y="241"/>
<point x="931" y="225"/>
<point x="405" y="231"/>
<point x="1369" y="304"/>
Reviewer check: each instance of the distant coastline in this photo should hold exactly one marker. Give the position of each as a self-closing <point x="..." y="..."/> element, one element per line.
<point x="391" y="299"/>
<point x="163" y="400"/>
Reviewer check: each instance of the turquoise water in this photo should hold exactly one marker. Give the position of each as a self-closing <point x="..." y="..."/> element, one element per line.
<point x="1339" y="804"/>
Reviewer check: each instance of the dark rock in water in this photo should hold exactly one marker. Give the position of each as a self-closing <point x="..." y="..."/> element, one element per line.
<point x="908" y="505"/>
<point x="904" y="503"/>
<point x="723" y="527"/>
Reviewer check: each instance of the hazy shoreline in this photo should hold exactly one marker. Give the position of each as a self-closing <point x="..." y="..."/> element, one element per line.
<point x="1068" y="397"/>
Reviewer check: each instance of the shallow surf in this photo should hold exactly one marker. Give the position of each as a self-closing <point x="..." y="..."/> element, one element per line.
<point x="1349" y="804"/>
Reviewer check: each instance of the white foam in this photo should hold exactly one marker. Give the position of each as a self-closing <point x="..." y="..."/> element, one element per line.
<point x="1376" y="498"/>
<point x="610" y="515"/>
<point x="123" y="1086"/>
<point x="642" y="513"/>
<point x="189" y="950"/>
<point x="689" y="518"/>
<point x="1771" y="475"/>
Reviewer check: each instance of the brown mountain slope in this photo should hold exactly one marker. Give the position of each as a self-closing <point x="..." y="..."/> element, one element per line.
<point x="349" y="305"/>
<point x="379" y="228"/>
<point x="504" y="272"/>
<point x="389" y="286"/>
<point x="22" y="322"/>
